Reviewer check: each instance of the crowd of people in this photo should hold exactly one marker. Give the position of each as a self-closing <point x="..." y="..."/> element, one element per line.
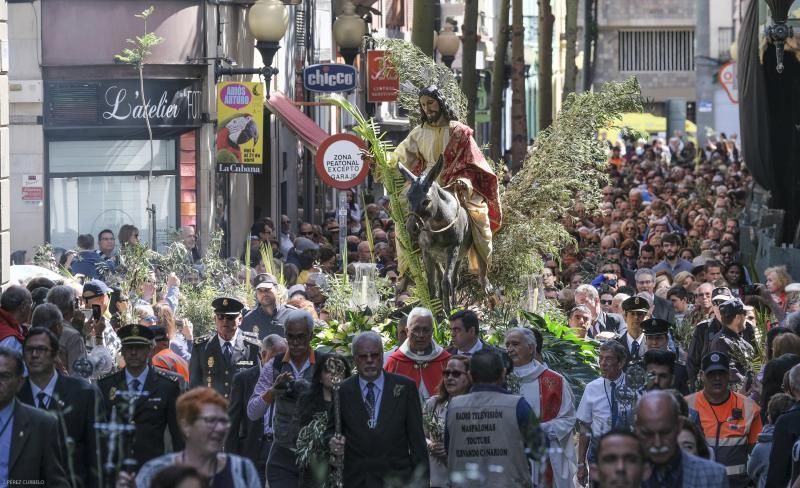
<point x="698" y="360"/>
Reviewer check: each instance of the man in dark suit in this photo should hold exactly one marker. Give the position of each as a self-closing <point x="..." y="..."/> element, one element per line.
<point x="382" y="437"/>
<point x="218" y="356"/>
<point x="646" y="282"/>
<point x="75" y="400"/>
<point x="465" y="331"/>
<point x="154" y="410"/>
<point x="588" y="296"/>
<point x="250" y="438"/>
<point x="30" y="449"/>
<point x="656" y="336"/>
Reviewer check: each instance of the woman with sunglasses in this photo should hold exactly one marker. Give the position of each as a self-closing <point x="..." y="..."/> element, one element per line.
<point x="202" y="415"/>
<point x="456" y="381"/>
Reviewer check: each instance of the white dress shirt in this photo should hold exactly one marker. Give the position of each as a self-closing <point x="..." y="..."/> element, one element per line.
<point x="48" y="391"/>
<point x="594" y="409"/>
<point x="378" y="389"/>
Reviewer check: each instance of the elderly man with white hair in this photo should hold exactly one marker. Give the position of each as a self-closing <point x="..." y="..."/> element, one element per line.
<point x="419" y="357"/>
<point x="550" y="396"/>
<point x="588" y="296"/>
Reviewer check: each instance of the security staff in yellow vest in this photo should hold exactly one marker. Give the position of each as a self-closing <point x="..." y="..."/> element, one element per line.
<point x="731" y="422"/>
<point x="487" y="430"/>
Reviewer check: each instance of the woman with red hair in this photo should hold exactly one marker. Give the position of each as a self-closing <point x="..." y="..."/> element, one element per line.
<point x="203" y="418"/>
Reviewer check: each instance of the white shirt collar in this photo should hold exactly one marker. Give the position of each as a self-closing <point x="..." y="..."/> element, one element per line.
<point x="232" y="341"/>
<point x="142" y="376"/>
<point x="378" y="382"/>
<point x="475" y="348"/>
<point x="48" y="389"/>
<point x="630" y="339"/>
<point x="620" y="380"/>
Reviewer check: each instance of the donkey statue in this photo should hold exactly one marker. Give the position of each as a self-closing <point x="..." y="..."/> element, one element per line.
<point x="441" y="228"/>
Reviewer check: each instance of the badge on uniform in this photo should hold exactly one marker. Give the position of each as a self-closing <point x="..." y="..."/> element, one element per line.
<point x="244" y="363"/>
<point x="255" y="329"/>
<point x="211" y="362"/>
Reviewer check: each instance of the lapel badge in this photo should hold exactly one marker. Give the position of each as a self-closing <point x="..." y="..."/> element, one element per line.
<point x="211" y="362"/>
<point x="255" y="329"/>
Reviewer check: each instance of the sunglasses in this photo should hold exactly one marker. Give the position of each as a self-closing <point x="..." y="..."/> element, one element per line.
<point x="229" y="318"/>
<point x="451" y="372"/>
<point x="605" y="302"/>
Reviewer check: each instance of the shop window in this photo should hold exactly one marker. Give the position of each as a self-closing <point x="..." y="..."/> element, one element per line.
<point x="94" y="185"/>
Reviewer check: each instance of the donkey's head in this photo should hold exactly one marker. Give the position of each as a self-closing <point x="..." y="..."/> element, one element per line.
<point x="421" y="200"/>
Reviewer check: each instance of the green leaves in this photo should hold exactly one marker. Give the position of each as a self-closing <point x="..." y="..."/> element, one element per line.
<point x="142" y="44"/>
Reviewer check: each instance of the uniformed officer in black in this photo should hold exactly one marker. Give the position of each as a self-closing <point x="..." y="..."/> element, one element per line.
<point x="218" y="356"/>
<point x="730" y="340"/>
<point x="154" y="410"/>
<point x="656" y="336"/>
<point x="635" y="309"/>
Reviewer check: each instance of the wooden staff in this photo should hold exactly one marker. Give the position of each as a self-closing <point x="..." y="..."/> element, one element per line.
<point x="336" y="367"/>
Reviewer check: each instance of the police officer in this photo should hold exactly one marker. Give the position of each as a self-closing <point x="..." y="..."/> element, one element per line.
<point x="656" y="337"/>
<point x="155" y="407"/>
<point x="730" y="341"/>
<point x="635" y="310"/>
<point x="219" y="355"/>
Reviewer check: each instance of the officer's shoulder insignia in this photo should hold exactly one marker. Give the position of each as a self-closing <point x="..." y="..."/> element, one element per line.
<point x="247" y="333"/>
<point x="166" y="375"/>
<point x="202" y="339"/>
<point x="252" y="341"/>
<point x="107" y="375"/>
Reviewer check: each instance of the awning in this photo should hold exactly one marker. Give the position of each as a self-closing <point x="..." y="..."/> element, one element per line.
<point x="310" y="134"/>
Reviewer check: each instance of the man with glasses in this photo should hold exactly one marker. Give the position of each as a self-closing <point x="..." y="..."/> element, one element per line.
<point x="106" y="243"/>
<point x="600" y="321"/>
<point x="218" y="356"/>
<point x="155" y="408"/>
<point x="267" y="318"/>
<point x="71" y="399"/>
<point x="282" y="382"/>
<point x="420" y="357"/>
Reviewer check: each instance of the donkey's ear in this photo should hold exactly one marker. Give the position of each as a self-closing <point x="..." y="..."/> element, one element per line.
<point x="433" y="173"/>
<point x="407" y="174"/>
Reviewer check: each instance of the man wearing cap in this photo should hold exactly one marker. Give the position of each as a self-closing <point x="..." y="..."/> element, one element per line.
<point x="155" y="408"/>
<point x="705" y="331"/>
<point x="656" y="338"/>
<point x="97" y="293"/>
<point x="219" y="355"/>
<point x="636" y="309"/>
<point x="729" y="340"/>
<point x="731" y="422"/>
<point x="267" y="318"/>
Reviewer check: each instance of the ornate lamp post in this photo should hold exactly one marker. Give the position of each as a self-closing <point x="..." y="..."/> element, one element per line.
<point x="447" y="43"/>
<point x="348" y="30"/>
<point x="779" y="31"/>
<point x="267" y="21"/>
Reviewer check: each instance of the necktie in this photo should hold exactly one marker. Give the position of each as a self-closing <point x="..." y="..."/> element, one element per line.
<point x="614" y="405"/>
<point x="370" y="398"/>
<point x="226" y="350"/>
<point x="41" y="397"/>
<point x="635" y="350"/>
<point x="136" y="385"/>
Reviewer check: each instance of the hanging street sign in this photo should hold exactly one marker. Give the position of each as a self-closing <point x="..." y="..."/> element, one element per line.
<point x="240" y="127"/>
<point x="383" y="82"/>
<point x="339" y="161"/>
<point x="330" y="78"/>
<point x="729" y="81"/>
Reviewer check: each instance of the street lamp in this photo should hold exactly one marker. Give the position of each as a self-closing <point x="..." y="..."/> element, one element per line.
<point x="447" y="44"/>
<point x="267" y="21"/>
<point x="348" y="30"/>
<point x="779" y="31"/>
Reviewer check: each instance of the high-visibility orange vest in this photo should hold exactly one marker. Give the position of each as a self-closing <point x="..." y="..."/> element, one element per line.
<point x="167" y="359"/>
<point x="730" y="429"/>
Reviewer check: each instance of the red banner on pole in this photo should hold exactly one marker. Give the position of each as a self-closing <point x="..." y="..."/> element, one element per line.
<point x="383" y="83"/>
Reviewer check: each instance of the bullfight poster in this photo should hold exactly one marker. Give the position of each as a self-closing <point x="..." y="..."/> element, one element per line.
<point x="240" y="125"/>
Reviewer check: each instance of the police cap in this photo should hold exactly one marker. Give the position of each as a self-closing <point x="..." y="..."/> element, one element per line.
<point x="716" y="361"/>
<point x="135" y="335"/>
<point x="652" y="327"/>
<point x="636" y="304"/>
<point x="227" y="306"/>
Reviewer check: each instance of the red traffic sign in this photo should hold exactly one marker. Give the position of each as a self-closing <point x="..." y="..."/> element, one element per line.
<point x="339" y="161"/>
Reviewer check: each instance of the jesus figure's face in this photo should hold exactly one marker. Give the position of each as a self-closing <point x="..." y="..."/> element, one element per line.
<point x="431" y="109"/>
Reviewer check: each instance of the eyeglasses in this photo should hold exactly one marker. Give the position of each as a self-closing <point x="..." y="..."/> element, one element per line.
<point x="451" y="372"/>
<point x="37" y="350"/>
<point x="229" y="318"/>
<point x="606" y="302"/>
<point x="212" y="422"/>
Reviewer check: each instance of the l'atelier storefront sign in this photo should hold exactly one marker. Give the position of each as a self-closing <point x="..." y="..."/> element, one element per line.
<point x="117" y="103"/>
